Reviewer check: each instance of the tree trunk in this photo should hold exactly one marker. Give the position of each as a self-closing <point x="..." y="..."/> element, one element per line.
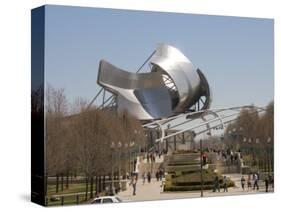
<point x="97" y="185"/>
<point x="57" y="183"/>
<point x="100" y="184"/>
<point x="61" y="182"/>
<point x="46" y="184"/>
<point x="103" y="183"/>
<point x="86" y="194"/>
<point x="92" y="187"/>
<point x="67" y="180"/>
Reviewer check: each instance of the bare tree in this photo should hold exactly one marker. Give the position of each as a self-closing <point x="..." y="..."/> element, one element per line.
<point x="56" y="109"/>
<point x="83" y="141"/>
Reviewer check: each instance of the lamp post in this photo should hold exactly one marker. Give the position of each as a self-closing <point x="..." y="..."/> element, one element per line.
<point x="257" y="150"/>
<point x="119" y="165"/>
<point x="201" y="167"/>
<point x="234" y="136"/>
<point x="252" y="150"/>
<point x="112" y="146"/>
<point x="132" y="143"/>
<point x="269" y="155"/>
<point x="126" y="161"/>
<point x="245" y="143"/>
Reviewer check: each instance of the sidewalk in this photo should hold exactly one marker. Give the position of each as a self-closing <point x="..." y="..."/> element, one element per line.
<point x="153" y="191"/>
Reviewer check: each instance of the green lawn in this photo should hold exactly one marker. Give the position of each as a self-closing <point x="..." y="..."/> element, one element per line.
<point x="72" y="188"/>
<point x="69" y="194"/>
<point x="69" y="200"/>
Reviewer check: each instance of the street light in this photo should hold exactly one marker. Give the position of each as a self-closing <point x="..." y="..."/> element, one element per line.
<point x="132" y="143"/>
<point x="270" y="155"/>
<point x="119" y="167"/>
<point x="257" y="148"/>
<point x="112" y="146"/>
<point x="126" y="163"/>
<point x="245" y="146"/>
<point x="201" y="167"/>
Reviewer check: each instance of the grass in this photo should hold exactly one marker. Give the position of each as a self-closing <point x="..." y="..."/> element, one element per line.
<point x="72" y="188"/>
<point x="69" y="194"/>
<point x="69" y="200"/>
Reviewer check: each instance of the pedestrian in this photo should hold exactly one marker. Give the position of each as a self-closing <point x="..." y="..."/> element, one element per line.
<point x="243" y="182"/>
<point x="271" y="180"/>
<point x="160" y="174"/>
<point x="134" y="184"/>
<point x="143" y="178"/>
<point x="231" y="158"/>
<point x="148" y="177"/>
<point x="249" y="183"/>
<point x="107" y="191"/>
<point x="266" y="184"/>
<point x="224" y="184"/>
<point x="157" y="175"/>
<point x="216" y="184"/>
<point x="256" y="179"/>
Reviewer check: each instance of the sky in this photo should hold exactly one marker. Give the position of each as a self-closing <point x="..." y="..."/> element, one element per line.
<point x="235" y="54"/>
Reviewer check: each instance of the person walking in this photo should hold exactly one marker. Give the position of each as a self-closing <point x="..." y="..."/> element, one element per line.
<point x="216" y="184"/>
<point x="249" y="183"/>
<point x="256" y="184"/>
<point x="266" y="184"/>
<point x="148" y="177"/>
<point x="225" y="184"/>
<point x="134" y="184"/>
<point x="271" y="180"/>
<point x="243" y="182"/>
<point x="160" y="174"/>
<point x="157" y="175"/>
<point x="143" y="178"/>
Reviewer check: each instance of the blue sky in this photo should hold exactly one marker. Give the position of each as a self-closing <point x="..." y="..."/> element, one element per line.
<point x="235" y="54"/>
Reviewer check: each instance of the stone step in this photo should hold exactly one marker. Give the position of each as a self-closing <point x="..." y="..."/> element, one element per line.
<point x="182" y="168"/>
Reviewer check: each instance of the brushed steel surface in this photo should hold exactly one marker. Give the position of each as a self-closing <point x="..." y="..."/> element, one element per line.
<point x="173" y="86"/>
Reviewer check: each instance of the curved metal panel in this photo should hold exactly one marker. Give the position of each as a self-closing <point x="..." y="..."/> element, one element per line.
<point x="205" y="90"/>
<point x="186" y="79"/>
<point x="111" y="76"/>
<point x="173" y="85"/>
<point x="155" y="101"/>
<point x="144" y="95"/>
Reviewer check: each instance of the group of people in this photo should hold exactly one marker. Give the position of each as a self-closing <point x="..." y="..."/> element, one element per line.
<point x="217" y="184"/>
<point x="146" y="176"/>
<point x="151" y="156"/>
<point x="159" y="174"/>
<point x="253" y="182"/>
<point x="229" y="155"/>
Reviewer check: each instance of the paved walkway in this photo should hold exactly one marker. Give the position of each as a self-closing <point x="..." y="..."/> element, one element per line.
<point x="153" y="191"/>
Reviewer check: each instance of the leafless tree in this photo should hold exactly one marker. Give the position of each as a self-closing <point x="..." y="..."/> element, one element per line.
<point x="82" y="140"/>
<point x="256" y="130"/>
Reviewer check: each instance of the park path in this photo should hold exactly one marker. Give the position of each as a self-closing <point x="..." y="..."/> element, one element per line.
<point x="153" y="191"/>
